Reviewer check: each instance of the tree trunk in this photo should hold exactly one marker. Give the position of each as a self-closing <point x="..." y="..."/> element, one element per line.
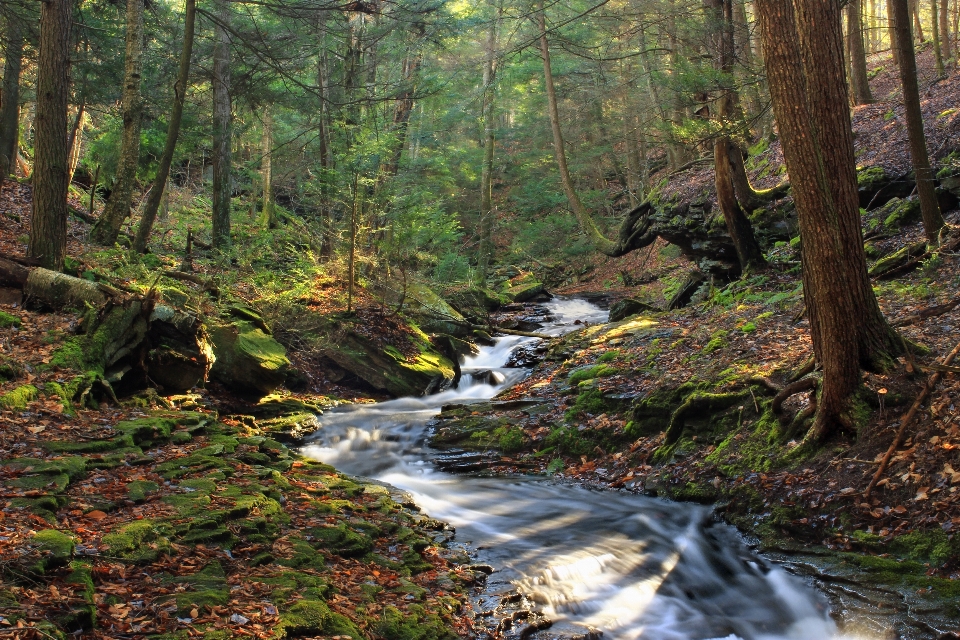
<point x="945" y="30"/>
<point x="352" y="261"/>
<point x="323" y="133"/>
<point x="858" y="57"/>
<point x="748" y="250"/>
<point x="173" y="132"/>
<point x="892" y="33"/>
<point x="115" y="212"/>
<point x="805" y="64"/>
<point x="10" y="107"/>
<point x="486" y="173"/>
<point x="48" y="223"/>
<point x="587" y="223"/>
<point x="222" y="129"/>
<point x="935" y="35"/>
<point x="268" y="216"/>
<point x="917" y="24"/>
<point x="930" y="208"/>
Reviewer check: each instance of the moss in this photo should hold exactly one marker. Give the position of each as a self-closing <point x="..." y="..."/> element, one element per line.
<point x="589" y="373"/>
<point x="89" y="446"/>
<point x="19" y="398"/>
<point x="415" y="624"/>
<point x="313" y="617"/>
<point x="55" y="547"/>
<point x="933" y="546"/>
<point x="138" y="489"/>
<point x="202" y="485"/>
<point x="7" y="320"/>
<point x="304" y="556"/>
<point x="590" y="401"/>
<point x="756" y="447"/>
<point x="200" y="599"/>
<point x="413" y="561"/>
<point x="141" y="541"/>
<point x="147" y="429"/>
<point x="342" y="540"/>
<point x="870" y="178"/>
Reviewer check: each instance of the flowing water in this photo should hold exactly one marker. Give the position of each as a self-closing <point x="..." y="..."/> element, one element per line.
<point x="631" y="566"/>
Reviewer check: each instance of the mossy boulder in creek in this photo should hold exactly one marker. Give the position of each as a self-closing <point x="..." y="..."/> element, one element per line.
<point x="629" y="307"/>
<point x="247" y="359"/>
<point x="386" y="368"/>
<point x="422" y="305"/>
<point x="522" y="288"/>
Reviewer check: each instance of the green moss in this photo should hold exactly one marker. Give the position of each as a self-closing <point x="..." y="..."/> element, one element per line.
<point x="141" y="541"/>
<point x="342" y="540"/>
<point x="590" y="401"/>
<point x="89" y="446"/>
<point x="415" y="624"/>
<point x="202" y="485"/>
<point x="56" y="548"/>
<point x="201" y="599"/>
<point x="750" y="448"/>
<point x="138" y="489"/>
<point x="304" y="556"/>
<point x="609" y="356"/>
<point x="933" y="546"/>
<point x="716" y="342"/>
<point x="147" y="429"/>
<point x="313" y="617"/>
<point x="7" y="320"/>
<point x="589" y="373"/>
<point x="870" y="178"/>
<point x="19" y="398"/>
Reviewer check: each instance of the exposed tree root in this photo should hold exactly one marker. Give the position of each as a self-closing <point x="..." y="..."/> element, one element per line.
<point x="907" y="419"/>
<point x="809" y="383"/>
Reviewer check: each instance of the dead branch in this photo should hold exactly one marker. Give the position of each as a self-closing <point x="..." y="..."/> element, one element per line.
<point x="206" y="285"/>
<point x="929" y="312"/>
<point x="907" y="418"/>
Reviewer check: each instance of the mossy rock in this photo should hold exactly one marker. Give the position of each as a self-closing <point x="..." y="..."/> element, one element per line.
<point x="386" y="368"/>
<point x="414" y="624"/>
<point x="628" y="307"/>
<point x="56" y="548"/>
<point x="19" y="398"/>
<point x="138" y="490"/>
<point x="897" y="259"/>
<point x="313" y="617"/>
<point x="303" y="556"/>
<point x="899" y="212"/>
<point x="247" y="359"/>
<point x="476" y="300"/>
<point x="201" y="599"/>
<point x="142" y="541"/>
<point x="152" y="429"/>
<point x="89" y="446"/>
<point x="428" y="310"/>
<point x="7" y="320"/>
<point x="522" y="288"/>
<point x="342" y="540"/>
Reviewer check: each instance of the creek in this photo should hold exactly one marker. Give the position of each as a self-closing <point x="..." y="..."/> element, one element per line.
<point x="627" y="565"/>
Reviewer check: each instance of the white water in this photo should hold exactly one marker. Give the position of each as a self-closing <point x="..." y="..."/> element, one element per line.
<point x="635" y="567"/>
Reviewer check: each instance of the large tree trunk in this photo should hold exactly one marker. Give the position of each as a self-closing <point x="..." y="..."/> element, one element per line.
<point x="805" y="65"/>
<point x="892" y="33"/>
<point x="10" y="107"/>
<point x="935" y="34"/>
<point x="858" y="57"/>
<point x="486" y="173"/>
<point x="173" y="132"/>
<point x="107" y="228"/>
<point x="48" y="224"/>
<point x="222" y="129"/>
<point x="930" y="208"/>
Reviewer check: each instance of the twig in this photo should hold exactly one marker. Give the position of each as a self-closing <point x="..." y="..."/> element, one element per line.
<point x="927" y="388"/>
<point x="929" y="312"/>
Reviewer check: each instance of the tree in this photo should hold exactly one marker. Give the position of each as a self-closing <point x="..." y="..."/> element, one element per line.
<point x="269" y="214"/>
<point x="858" y="57"/>
<point x="489" y="141"/>
<point x="222" y="127"/>
<point x="803" y="48"/>
<point x="48" y="223"/>
<point x="173" y="131"/>
<point x="107" y="228"/>
<point x="935" y="35"/>
<point x="930" y="209"/>
<point x="10" y="106"/>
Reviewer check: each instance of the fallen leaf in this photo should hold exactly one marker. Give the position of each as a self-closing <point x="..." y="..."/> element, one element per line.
<point x="96" y="515"/>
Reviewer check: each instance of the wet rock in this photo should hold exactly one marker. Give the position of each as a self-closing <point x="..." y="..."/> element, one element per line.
<point x="247" y="359"/>
<point x="527" y="356"/>
<point x="522" y="288"/>
<point x="628" y="307"/>
<point x="431" y="312"/>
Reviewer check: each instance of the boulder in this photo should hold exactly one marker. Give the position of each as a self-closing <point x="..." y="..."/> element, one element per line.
<point x="386" y="368"/>
<point x="431" y="312"/>
<point x="475" y="302"/>
<point x="522" y="288"/>
<point x="628" y="307"/>
<point x="247" y="359"/>
<point x="181" y="354"/>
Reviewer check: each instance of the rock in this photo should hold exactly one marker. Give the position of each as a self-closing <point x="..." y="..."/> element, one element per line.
<point x="876" y="187"/>
<point x="431" y="312"/>
<point x="522" y="288"/>
<point x="386" y="368"/>
<point x="181" y="354"/>
<point x="899" y="213"/>
<point x="476" y="300"/>
<point x="628" y="307"/>
<point x="247" y="359"/>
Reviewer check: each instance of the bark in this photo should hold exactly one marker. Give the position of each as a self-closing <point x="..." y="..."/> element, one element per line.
<point x="929" y="207"/>
<point x="917" y="24"/>
<point x="268" y="216"/>
<point x="117" y="208"/>
<point x="173" y="132"/>
<point x="748" y="250"/>
<point x="222" y="129"/>
<point x="892" y="33"/>
<point x="486" y="173"/>
<point x="10" y="107"/>
<point x="48" y="223"/>
<point x="323" y="133"/>
<point x="945" y="30"/>
<point x="935" y="34"/>
<point x="600" y="242"/>
<point x="858" y="57"/>
<point x="803" y="46"/>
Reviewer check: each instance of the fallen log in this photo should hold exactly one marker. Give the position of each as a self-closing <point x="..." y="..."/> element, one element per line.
<point x="511" y="332"/>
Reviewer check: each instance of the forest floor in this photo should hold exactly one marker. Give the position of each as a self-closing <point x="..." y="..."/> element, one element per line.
<point x="184" y="516"/>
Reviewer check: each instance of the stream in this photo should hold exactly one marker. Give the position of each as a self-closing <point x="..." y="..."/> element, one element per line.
<point x="629" y="566"/>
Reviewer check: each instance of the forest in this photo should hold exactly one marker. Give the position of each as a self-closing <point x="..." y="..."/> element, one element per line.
<point x="506" y="319"/>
